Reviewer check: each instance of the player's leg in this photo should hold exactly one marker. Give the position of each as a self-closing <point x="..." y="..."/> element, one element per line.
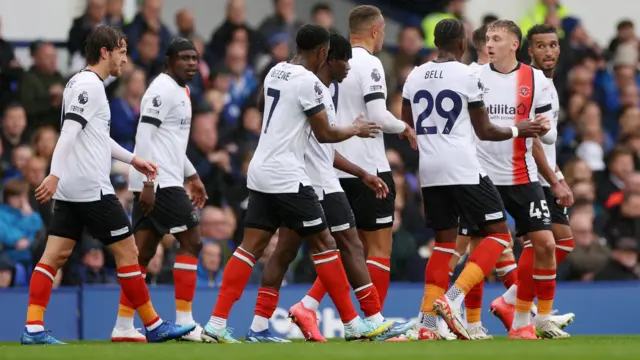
<point x="503" y="307"/>
<point x="64" y="230"/>
<point x="482" y="204"/>
<point x="462" y="244"/>
<point x="261" y="222"/>
<point x="473" y="303"/>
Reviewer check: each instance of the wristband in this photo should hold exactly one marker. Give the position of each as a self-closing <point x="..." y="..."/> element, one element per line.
<point x="559" y="175"/>
<point x="514" y="131"/>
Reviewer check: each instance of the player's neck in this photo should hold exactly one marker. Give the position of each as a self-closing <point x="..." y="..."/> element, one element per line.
<point x="444" y="56"/>
<point x="547" y="73"/>
<point x="102" y="69"/>
<point x="506" y="66"/>
<point x="300" y="60"/>
<point x="324" y="75"/>
<point x="178" y="81"/>
<point x="483" y="59"/>
<point x="363" y="43"/>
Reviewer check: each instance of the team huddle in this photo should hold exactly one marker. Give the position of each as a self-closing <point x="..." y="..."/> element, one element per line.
<point x="320" y="174"/>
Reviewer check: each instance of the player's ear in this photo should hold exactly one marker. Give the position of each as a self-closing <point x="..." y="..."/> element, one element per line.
<point x="530" y="51"/>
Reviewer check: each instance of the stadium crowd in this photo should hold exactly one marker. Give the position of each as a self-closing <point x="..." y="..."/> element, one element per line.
<point x="598" y="145"/>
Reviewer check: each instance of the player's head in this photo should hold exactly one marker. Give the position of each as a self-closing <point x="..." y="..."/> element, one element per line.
<point x="338" y="58"/>
<point x="449" y="36"/>
<point x="312" y="41"/>
<point x="544" y="46"/>
<point x="367" y="23"/>
<point x="503" y="40"/>
<point x="107" y="45"/>
<point x="479" y="39"/>
<point x="182" y="59"/>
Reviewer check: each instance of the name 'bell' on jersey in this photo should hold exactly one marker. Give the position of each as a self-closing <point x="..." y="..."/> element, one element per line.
<point x="86" y="174"/>
<point x="166" y="105"/>
<point x="440" y="94"/>
<point x="319" y="157"/>
<point x="365" y="82"/>
<point x="550" y="149"/>
<point x="291" y="95"/>
<point x="510" y="98"/>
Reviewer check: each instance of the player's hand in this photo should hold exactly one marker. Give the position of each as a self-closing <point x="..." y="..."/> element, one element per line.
<point x="563" y="194"/>
<point x="410" y="135"/>
<point x="571" y="200"/>
<point x="149" y="169"/>
<point x="544" y="121"/>
<point x="528" y="128"/>
<point x="376" y="184"/>
<point x="45" y="191"/>
<point x="365" y="129"/>
<point x="198" y="193"/>
<point x="147" y="197"/>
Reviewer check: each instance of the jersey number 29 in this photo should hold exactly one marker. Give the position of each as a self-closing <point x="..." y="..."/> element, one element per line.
<point x="450" y="115"/>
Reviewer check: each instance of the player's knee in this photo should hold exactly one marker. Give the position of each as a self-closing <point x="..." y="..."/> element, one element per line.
<point x="350" y="246"/>
<point x="544" y="248"/>
<point x="57" y="259"/>
<point x="322" y="242"/>
<point x="125" y="251"/>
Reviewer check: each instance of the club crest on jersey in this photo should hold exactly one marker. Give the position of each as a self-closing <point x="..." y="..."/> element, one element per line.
<point x="480" y="85"/>
<point x="318" y="89"/>
<point x="524" y="91"/>
<point x="156" y="101"/>
<point x="83" y="98"/>
<point x="375" y="75"/>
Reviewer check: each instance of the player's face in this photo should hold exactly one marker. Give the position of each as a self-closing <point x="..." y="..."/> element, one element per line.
<point x="117" y="59"/>
<point x="185" y="65"/>
<point x="339" y="69"/>
<point x="544" y="50"/>
<point x="378" y="34"/>
<point x="501" y="44"/>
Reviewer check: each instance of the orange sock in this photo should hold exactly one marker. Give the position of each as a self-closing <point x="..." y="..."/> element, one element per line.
<point x="234" y="279"/>
<point x="136" y="291"/>
<point x="184" y="277"/>
<point x="545" y="285"/>
<point x="317" y="290"/>
<point x="436" y="276"/>
<point x="331" y="272"/>
<point x="564" y="247"/>
<point x="473" y="303"/>
<point x="482" y="261"/>
<point x="380" y="272"/>
<point x="40" y="288"/>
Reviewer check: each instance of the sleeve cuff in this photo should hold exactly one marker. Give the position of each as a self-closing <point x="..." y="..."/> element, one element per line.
<point x="151" y="120"/>
<point x="543" y="109"/>
<point x="75" y="117"/>
<point x="476" y="104"/>
<point x="314" y="110"/>
<point x="373" y="96"/>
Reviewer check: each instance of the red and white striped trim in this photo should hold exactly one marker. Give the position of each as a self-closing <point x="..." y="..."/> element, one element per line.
<point x="565" y="248"/>
<point x="325" y="260"/>
<point x="326" y="252"/>
<point x="363" y="287"/>
<point x="129" y="274"/>
<point x="245" y="256"/>
<point x="378" y="265"/>
<point x="154" y="324"/>
<point x="507" y="250"/>
<point x="528" y="244"/>
<point x="506" y="269"/>
<point x="184" y="266"/>
<point x="267" y="293"/>
<point x="445" y="250"/>
<point x="500" y="241"/>
<point x="544" y="277"/>
<point x="45" y="272"/>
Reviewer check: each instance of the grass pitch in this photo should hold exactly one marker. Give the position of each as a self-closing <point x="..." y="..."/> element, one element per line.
<point x="580" y="347"/>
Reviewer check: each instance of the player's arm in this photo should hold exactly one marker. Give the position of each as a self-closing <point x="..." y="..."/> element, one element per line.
<point x="120" y="153"/>
<point x="325" y="133"/>
<point x="543" y="107"/>
<point x="541" y="162"/>
<point x="407" y="114"/>
<point x="375" y="183"/>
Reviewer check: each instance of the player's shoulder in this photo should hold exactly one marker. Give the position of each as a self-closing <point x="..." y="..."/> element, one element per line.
<point x="86" y="80"/>
<point x="542" y="82"/>
<point x="364" y="61"/>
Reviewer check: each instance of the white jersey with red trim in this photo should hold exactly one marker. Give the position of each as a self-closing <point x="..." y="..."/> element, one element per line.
<point x="550" y="149"/>
<point x="509" y="98"/>
<point x="441" y="94"/>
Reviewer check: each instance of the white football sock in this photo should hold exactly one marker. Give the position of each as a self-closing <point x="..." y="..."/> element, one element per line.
<point x="521" y="320"/>
<point x="376" y="318"/>
<point x="184" y="318"/>
<point x="510" y="295"/>
<point x="310" y="303"/>
<point x="35" y="328"/>
<point x="259" y="323"/>
<point x="124" y="323"/>
<point x="353" y="324"/>
<point x="218" y="323"/>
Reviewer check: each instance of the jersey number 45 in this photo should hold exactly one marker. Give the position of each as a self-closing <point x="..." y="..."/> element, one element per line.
<point x="450" y="115"/>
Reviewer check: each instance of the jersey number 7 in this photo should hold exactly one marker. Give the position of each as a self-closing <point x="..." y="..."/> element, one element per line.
<point x="450" y="115"/>
<point x="275" y="94"/>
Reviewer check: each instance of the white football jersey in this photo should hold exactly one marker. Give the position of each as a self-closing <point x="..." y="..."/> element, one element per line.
<point x="86" y="172"/>
<point x="440" y="94"/>
<point x="550" y="149"/>
<point x="166" y="105"/>
<point x="365" y="82"/>
<point x="475" y="67"/>
<point x="291" y="94"/>
<point x="510" y="98"/>
<point x="319" y="157"/>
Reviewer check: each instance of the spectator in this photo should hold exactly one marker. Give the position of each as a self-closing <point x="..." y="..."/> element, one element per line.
<point x="619" y="166"/>
<point x="539" y="13"/>
<point x="215" y="226"/>
<point x="19" y="222"/>
<point x="114" y="16"/>
<point x="44" y="142"/>
<point x="623" y="264"/>
<point x="624" y="220"/>
<point x="10" y="72"/>
<point x="7" y="270"/>
<point x="94" y="15"/>
<point x="19" y="159"/>
<point x="625" y="33"/>
<point x="577" y="170"/>
<point x="92" y="270"/>
<point x="121" y="188"/>
<point x="589" y="254"/>
<point x="125" y="109"/>
<point x="14" y="122"/>
<point x="149" y="59"/>
<point x="322" y="14"/>
<point x="452" y="9"/>
<point x="258" y="268"/>
<point x="148" y="20"/>
<point x="210" y="265"/>
<point x="34" y="172"/>
<point x="185" y="23"/>
<point x="242" y="84"/>
<point x="284" y="20"/>
<point x="157" y="273"/>
<point x="410" y="53"/>
<point x="222" y="36"/>
<point x="279" y="51"/>
<point x="40" y="89"/>
<point x="200" y="83"/>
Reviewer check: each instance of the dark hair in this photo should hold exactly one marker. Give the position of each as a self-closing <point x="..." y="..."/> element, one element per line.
<point x="540" y="29"/>
<point x="179" y="44"/>
<point x="447" y="32"/>
<point x="479" y="37"/>
<point x="414" y="28"/>
<point x="109" y="37"/>
<point x="15" y="187"/>
<point x="626" y="23"/>
<point x="310" y="37"/>
<point x="362" y="14"/>
<point x="340" y="48"/>
<point x="320" y="7"/>
<point x="489" y="18"/>
<point x="619" y="151"/>
<point x="11" y="106"/>
<point x="507" y="25"/>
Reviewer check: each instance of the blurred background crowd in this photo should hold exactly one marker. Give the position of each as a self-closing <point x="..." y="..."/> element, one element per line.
<point x="598" y="144"/>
